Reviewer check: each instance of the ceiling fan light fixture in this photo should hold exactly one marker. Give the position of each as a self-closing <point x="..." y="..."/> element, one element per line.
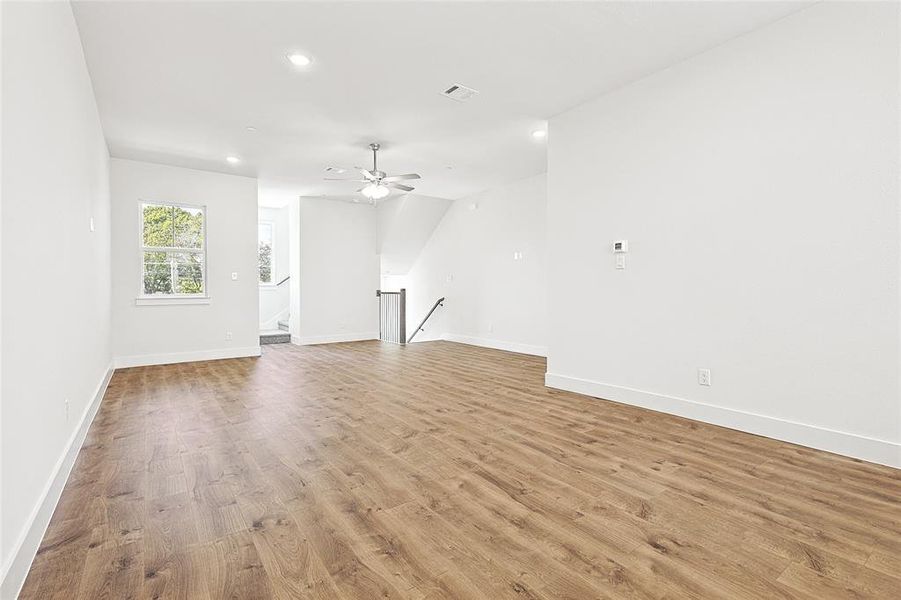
<point x="374" y="191"/>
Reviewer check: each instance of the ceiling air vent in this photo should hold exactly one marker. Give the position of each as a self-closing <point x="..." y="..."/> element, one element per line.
<point x="460" y="93"/>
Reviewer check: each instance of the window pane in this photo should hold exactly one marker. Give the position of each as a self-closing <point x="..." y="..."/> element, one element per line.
<point x="265" y="252"/>
<point x="167" y="271"/>
<point x="157" y="273"/>
<point x="188" y="272"/>
<point x="188" y="227"/>
<point x="156" y="257"/>
<point x="158" y="226"/>
<point x="265" y="263"/>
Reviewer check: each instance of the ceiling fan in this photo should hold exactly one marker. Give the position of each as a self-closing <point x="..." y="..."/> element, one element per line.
<point x="378" y="183"/>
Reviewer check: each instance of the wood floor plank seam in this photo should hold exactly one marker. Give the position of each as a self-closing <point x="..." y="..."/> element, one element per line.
<point x="331" y="472"/>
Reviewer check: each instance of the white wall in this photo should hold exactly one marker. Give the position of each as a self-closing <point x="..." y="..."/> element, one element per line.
<point x="405" y="223"/>
<point x="162" y="334"/>
<point x="56" y="271"/>
<point x="339" y="272"/>
<point x="492" y="299"/>
<point x="758" y="187"/>
<point x="275" y="299"/>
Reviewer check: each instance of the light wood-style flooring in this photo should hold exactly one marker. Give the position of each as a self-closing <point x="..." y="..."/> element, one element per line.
<point x="439" y="470"/>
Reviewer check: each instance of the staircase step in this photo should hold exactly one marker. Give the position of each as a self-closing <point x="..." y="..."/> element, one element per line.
<point x="274" y="337"/>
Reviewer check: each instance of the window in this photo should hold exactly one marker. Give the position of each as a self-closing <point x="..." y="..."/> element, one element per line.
<point x="173" y="250"/>
<point x="267" y="262"/>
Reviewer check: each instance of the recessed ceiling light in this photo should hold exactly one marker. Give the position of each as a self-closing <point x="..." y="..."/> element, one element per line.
<point x="299" y="60"/>
<point x="539" y="134"/>
<point x="233" y="159"/>
<point x="251" y="129"/>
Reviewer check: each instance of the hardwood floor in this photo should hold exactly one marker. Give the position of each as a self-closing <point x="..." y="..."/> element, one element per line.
<point x="440" y="470"/>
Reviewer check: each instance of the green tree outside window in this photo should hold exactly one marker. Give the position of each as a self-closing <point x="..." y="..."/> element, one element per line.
<point x="265" y="240"/>
<point x="173" y="249"/>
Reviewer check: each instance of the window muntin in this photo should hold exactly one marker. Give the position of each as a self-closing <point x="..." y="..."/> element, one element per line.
<point x="173" y="250"/>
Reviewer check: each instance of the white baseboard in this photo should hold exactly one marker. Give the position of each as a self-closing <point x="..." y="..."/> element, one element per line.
<point x="144" y="360"/>
<point x="15" y="570"/>
<point x="309" y="340"/>
<point x="496" y="344"/>
<point x="883" y="452"/>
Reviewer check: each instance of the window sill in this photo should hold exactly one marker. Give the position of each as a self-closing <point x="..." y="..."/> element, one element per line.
<point x="268" y="286"/>
<point x="170" y="300"/>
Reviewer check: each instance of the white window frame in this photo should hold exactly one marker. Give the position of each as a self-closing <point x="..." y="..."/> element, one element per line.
<point x="169" y="299"/>
<point x="271" y="225"/>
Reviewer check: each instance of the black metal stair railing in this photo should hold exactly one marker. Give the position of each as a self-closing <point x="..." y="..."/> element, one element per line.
<point x="392" y="316"/>
<point x="438" y="302"/>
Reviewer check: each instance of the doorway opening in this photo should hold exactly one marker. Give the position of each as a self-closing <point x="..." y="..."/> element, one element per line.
<point x="274" y="274"/>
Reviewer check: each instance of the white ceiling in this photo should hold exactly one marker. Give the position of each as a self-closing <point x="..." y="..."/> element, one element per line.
<point x="179" y="82"/>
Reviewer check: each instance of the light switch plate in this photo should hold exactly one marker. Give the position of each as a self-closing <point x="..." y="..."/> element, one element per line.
<point x="234" y="276"/>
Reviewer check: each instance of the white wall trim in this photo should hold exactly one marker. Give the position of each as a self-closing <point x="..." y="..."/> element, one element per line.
<point x="496" y="344"/>
<point x="170" y="300"/>
<point x="884" y="452"/>
<point x="143" y="360"/>
<point x="310" y="340"/>
<point x="14" y="572"/>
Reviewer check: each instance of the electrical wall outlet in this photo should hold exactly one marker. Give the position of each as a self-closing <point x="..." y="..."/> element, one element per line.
<point x="228" y="335"/>
<point x="703" y="376"/>
<point x="234" y="276"/>
<point x="66" y="402"/>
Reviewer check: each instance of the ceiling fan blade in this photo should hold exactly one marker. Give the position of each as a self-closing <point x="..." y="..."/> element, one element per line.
<point x="400" y="186"/>
<point x="365" y="173"/>
<point x="344" y="179"/>
<point x="400" y="177"/>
